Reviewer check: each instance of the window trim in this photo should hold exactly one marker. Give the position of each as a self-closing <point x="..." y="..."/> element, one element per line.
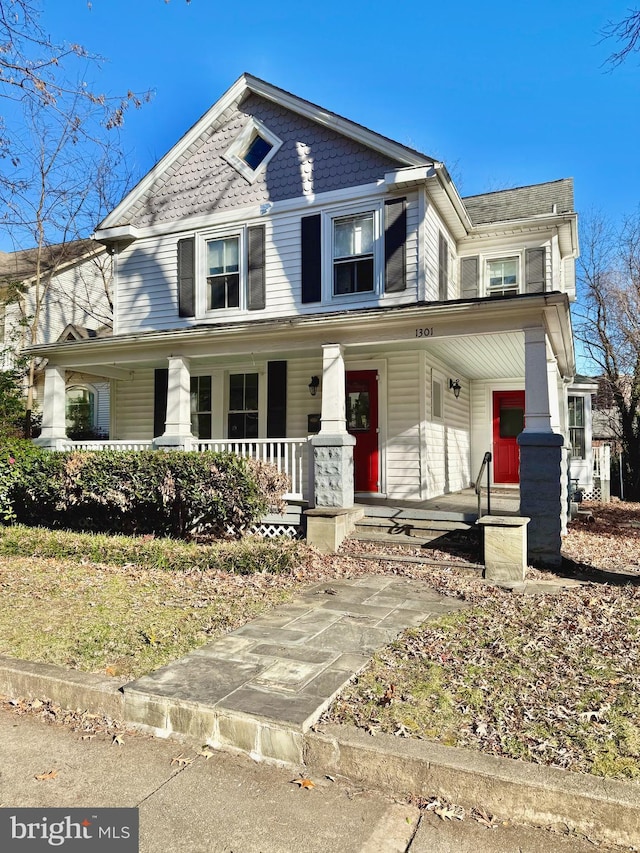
<point x="201" y="284"/>
<point x="503" y="291"/>
<point x="571" y="428"/>
<point x="91" y="391"/>
<point x="241" y="371"/>
<point x="329" y="217"/>
<point x="233" y="154"/>
<point x="196" y="412"/>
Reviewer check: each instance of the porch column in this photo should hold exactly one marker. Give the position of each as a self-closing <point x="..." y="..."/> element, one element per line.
<point x="541" y="495"/>
<point x="53" y="433"/>
<point x="177" y="431"/>
<point x="334" y="514"/>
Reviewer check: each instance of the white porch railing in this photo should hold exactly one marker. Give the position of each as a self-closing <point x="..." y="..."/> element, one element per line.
<point x="287" y="454"/>
<point x="120" y="444"/>
<point x="602" y="462"/>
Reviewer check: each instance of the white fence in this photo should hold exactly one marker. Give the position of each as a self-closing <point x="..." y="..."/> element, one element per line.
<point x="287" y="454"/>
<point x="112" y="445"/>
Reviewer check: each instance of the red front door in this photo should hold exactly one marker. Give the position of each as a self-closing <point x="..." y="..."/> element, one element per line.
<point x="362" y="422"/>
<point x="508" y="423"/>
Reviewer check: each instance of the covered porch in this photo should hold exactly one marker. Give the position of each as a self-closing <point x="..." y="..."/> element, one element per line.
<point x="418" y="383"/>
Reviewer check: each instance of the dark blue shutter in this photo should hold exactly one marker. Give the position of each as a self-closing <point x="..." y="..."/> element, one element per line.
<point x="276" y="399"/>
<point x="443" y="267"/>
<point x="535" y="272"/>
<point x="395" y="238"/>
<point x="311" y="252"/>
<point x="256" y="276"/>
<point x="160" y="388"/>
<point x="186" y="277"/>
<point x="469" y="269"/>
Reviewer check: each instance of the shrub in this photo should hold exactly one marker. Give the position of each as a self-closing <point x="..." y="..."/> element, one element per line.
<point x="19" y="458"/>
<point x="175" y="494"/>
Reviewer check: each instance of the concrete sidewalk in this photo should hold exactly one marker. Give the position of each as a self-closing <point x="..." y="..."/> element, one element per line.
<point x="230" y="804"/>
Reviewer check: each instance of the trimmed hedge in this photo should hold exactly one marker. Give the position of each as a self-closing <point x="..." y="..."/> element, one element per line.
<point x="177" y="494"/>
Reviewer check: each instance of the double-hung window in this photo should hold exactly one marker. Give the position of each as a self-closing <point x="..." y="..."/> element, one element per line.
<point x="576" y="427"/>
<point x="201" y="406"/>
<point x="502" y="276"/>
<point x="353" y="254"/>
<point x="223" y="273"/>
<point x="243" y="405"/>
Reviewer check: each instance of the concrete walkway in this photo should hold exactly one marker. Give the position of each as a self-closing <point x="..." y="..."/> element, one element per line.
<point x="261" y="687"/>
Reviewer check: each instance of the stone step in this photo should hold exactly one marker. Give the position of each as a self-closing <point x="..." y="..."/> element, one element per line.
<point x="410" y="526"/>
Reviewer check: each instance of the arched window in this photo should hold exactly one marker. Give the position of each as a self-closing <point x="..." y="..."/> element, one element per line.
<point x="80" y="411"/>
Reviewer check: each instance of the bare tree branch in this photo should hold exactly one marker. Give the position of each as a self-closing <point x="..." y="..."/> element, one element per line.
<point x="626" y="33"/>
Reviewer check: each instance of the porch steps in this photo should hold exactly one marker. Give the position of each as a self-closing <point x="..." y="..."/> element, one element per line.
<point x="412" y="527"/>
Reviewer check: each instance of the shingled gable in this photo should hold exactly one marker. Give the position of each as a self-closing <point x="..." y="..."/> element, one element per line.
<point x="320" y="152"/>
<point x="553" y="197"/>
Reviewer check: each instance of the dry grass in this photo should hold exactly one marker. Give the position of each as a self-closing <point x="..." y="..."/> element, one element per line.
<point x="553" y="679"/>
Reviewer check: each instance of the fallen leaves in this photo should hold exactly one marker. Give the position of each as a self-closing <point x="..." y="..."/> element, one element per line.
<point x="553" y="679"/>
<point x="46" y="777"/>
<point x="182" y="761"/>
<point x="303" y="783"/>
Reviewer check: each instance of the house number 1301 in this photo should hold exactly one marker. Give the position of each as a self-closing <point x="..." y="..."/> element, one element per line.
<point x="424" y="333"/>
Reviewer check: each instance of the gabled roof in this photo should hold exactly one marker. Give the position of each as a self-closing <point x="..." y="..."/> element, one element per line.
<point x="21" y="266"/>
<point x="547" y="199"/>
<point x="169" y="172"/>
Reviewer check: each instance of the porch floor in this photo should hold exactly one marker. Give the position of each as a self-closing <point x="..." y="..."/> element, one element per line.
<point x="463" y="504"/>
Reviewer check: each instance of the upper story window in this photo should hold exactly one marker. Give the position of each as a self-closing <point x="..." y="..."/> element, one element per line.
<point x="353" y="254"/>
<point x="219" y="272"/>
<point x="522" y="271"/>
<point x="223" y="273"/>
<point x="257" y="151"/>
<point x="503" y="276"/>
<point x="252" y="149"/>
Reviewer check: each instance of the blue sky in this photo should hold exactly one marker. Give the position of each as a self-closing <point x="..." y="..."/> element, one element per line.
<point x="505" y="93"/>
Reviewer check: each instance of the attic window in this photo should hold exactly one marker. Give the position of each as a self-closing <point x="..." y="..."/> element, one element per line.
<point x="252" y="149"/>
<point x="256" y="152"/>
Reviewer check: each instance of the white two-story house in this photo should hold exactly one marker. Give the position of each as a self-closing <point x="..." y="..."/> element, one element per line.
<point x="291" y="284"/>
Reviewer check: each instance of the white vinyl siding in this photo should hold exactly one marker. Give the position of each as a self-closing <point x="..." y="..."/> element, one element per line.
<point x="447" y="442"/>
<point x="403" y="426"/>
<point x="147" y="277"/>
<point x="433" y="227"/>
<point x="134" y="407"/>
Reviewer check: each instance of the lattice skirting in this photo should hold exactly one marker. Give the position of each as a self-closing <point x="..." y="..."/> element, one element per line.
<point x="273" y="531"/>
<point x="594" y="494"/>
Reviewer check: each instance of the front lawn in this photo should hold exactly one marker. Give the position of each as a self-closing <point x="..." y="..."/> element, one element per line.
<point x="551" y="678"/>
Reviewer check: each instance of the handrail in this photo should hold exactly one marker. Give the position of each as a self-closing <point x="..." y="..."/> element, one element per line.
<point x="485" y="462"/>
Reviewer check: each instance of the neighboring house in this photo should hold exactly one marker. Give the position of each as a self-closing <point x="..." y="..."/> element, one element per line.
<point x="75" y="303"/>
<point x="287" y="280"/>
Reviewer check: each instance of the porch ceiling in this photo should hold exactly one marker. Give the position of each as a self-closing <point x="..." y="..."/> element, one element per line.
<point x="499" y="356"/>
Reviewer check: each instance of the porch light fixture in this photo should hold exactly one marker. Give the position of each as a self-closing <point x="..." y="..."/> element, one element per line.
<point x="456" y="387"/>
<point x="313" y="386"/>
